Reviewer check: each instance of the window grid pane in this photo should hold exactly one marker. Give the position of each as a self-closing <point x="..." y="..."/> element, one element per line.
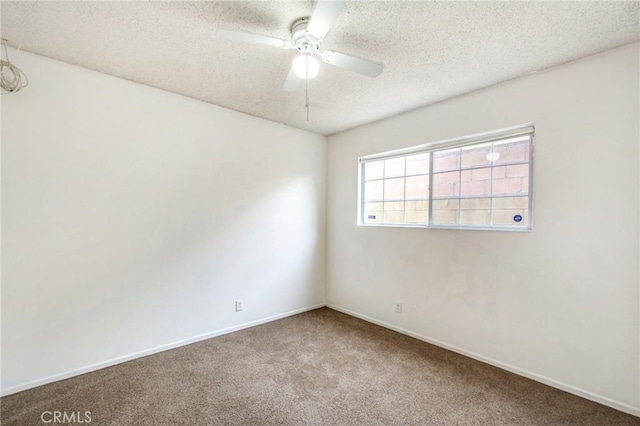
<point x="476" y="186"/>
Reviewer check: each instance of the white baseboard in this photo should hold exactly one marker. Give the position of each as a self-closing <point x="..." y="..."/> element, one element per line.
<point x="533" y="376"/>
<point x="635" y="411"/>
<point x="151" y="351"/>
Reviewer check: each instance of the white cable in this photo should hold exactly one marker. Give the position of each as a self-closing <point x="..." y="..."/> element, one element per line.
<point x="12" y="79"/>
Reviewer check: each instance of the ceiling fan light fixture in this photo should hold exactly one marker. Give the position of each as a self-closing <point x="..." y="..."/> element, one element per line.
<point x="306" y="67"/>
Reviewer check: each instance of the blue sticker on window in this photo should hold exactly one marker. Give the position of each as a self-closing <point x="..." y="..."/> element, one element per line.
<point x="517" y="218"/>
<point x="371" y="216"/>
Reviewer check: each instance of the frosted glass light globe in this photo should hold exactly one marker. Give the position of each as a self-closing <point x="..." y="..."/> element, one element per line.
<point x="300" y="67"/>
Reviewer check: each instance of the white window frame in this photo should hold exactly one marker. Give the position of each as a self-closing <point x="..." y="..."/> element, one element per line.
<point x="431" y="148"/>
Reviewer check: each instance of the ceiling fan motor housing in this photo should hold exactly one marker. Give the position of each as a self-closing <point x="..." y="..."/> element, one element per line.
<point x="302" y="40"/>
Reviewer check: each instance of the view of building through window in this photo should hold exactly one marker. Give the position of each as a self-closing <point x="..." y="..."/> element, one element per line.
<point x="483" y="185"/>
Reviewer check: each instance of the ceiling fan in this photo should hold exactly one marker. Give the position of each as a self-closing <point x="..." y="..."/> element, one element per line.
<point x="307" y="35"/>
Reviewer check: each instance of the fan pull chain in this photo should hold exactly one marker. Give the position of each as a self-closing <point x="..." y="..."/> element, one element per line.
<point x="306" y="86"/>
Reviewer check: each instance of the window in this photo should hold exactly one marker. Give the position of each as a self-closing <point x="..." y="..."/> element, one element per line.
<point x="477" y="182"/>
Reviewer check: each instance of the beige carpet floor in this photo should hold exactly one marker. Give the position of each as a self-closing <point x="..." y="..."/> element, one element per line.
<point x="320" y="367"/>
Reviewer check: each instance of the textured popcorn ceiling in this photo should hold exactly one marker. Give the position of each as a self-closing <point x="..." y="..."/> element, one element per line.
<point x="431" y="50"/>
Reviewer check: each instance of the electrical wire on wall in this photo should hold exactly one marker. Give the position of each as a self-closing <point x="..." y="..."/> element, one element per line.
<point x="12" y="79"/>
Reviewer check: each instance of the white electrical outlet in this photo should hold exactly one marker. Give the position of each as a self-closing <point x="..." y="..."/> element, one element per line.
<point x="238" y="305"/>
<point x="398" y="307"/>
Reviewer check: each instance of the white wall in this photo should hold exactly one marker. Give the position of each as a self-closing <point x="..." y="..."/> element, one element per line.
<point x="559" y="304"/>
<point x="133" y="218"/>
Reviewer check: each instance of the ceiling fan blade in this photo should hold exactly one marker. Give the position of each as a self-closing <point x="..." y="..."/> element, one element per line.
<point x="324" y="16"/>
<point x="291" y="83"/>
<point x="361" y="66"/>
<point x="247" y="37"/>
